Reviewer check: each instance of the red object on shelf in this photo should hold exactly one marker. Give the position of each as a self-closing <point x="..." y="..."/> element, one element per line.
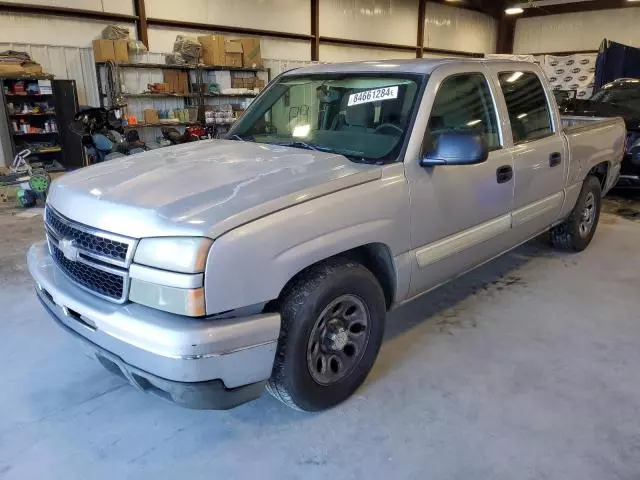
<point x="18" y="87"/>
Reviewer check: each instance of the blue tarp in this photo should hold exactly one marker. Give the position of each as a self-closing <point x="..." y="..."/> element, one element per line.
<point x="614" y="61"/>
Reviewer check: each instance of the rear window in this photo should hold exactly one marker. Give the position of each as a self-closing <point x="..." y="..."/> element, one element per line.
<point x="527" y="105"/>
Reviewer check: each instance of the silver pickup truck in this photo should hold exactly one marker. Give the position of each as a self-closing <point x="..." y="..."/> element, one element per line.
<point x="205" y="272"/>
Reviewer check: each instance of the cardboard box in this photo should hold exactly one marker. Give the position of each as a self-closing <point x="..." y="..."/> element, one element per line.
<point x="233" y="53"/>
<point x="178" y="82"/>
<point x="212" y="49"/>
<point x="170" y="78"/>
<point x="32" y="68"/>
<point x="183" y="82"/>
<point x="237" y="82"/>
<point x="151" y="115"/>
<point x="103" y="50"/>
<point x="11" y="68"/>
<point x="251" y="56"/>
<point x="259" y="83"/>
<point x="121" y="50"/>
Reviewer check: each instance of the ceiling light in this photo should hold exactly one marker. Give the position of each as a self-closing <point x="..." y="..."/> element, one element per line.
<point x="514" y="77"/>
<point x="513" y="11"/>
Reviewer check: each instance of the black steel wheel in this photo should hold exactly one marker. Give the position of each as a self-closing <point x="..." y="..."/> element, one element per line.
<point x="576" y="232"/>
<point x="338" y="339"/>
<point x="332" y="327"/>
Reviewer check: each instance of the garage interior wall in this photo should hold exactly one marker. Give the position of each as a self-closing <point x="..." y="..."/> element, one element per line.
<point x="62" y="44"/>
<point x="577" y="31"/>
<point x="452" y="28"/>
<point x="380" y="21"/>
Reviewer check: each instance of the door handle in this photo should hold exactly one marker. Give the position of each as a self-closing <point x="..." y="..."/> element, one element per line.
<point x="555" y="159"/>
<point x="504" y="174"/>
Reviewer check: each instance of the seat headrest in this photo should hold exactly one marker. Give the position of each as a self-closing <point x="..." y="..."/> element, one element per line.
<point x="359" y="115"/>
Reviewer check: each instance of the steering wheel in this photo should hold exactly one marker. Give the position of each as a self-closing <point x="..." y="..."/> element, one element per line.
<point x="388" y="125"/>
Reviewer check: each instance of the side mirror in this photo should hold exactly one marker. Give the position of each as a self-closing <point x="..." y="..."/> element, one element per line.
<point x="457" y="148"/>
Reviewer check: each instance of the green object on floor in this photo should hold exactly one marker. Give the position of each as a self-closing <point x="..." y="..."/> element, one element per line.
<point x="26" y="198"/>
<point x="39" y="182"/>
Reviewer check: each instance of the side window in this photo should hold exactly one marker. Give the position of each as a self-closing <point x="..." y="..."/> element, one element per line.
<point x="527" y="105"/>
<point x="464" y="102"/>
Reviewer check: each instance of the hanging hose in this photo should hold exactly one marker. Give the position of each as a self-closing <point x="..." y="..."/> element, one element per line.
<point x="114" y="85"/>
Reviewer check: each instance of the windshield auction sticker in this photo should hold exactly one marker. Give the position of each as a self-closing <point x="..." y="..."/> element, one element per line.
<point x="367" y="96"/>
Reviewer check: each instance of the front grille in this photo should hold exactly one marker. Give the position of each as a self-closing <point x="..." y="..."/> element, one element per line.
<point x="97" y="261"/>
<point x="85" y="240"/>
<point x="103" y="283"/>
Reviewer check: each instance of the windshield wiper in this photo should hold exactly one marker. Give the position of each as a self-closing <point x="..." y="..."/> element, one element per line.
<point x="353" y="155"/>
<point x="305" y="145"/>
<point x="238" y="137"/>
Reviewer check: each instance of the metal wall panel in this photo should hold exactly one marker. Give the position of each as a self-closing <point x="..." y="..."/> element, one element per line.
<point x="112" y="6"/>
<point x="384" y="21"/>
<point x="577" y="31"/>
<point x="280" y="15"/>
<point x="52" y="30"/>
<point x="339" y="53"/>
<point x="454" y="28"/>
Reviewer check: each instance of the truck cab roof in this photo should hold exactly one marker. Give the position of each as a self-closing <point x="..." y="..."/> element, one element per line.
<point x="415" y="66"/>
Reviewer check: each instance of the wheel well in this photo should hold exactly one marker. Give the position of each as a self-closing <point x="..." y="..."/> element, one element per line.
<point x="376" y="257"/>
<point x="601" y="171"/>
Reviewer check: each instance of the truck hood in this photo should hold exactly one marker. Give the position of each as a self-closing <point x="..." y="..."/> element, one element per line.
<point x="203" y="188"/>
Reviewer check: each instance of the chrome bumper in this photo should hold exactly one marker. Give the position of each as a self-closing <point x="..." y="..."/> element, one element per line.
<point x="237" y="351"/>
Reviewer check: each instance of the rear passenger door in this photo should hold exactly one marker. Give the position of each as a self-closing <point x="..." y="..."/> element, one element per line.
<point x="538" y="151"/>
<point x="459" y="213"/>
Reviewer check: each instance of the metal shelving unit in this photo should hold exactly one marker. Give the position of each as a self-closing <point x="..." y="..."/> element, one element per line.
<point x="55" y="149"/>
<point x="167" y="66"/>
<point x="192" y="99"/>
<point x="189" y="95"/>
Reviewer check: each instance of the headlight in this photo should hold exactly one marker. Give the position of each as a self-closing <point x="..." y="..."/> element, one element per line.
<point x="176" y="254"/>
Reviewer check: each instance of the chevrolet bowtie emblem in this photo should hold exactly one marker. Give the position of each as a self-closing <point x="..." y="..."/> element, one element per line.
<point x="68" y="249"/>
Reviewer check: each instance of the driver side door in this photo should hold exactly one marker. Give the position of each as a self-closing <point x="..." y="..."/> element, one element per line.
<point x="459" y="213"/>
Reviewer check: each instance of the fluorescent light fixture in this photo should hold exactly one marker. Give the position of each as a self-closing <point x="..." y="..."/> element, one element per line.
<point x="522" y="115"/>
<point x="515" y="77"/>
<point x="473" y="123"/>
<point x="517" y="8"/>
<point x="301" y="131"/>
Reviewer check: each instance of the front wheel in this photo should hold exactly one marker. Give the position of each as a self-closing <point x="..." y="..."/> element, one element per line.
<point x="576" y="232"/>
<point x="332" y="327"/>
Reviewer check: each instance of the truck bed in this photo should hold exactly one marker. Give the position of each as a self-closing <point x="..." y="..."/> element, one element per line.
<point x="592" y="141"/>
<point x="573" y="122"/>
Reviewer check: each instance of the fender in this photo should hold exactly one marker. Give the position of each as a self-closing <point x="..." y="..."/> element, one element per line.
<point x="252" y="263"/>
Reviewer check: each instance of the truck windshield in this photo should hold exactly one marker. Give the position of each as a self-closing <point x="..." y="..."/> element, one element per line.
<point x="366" y="118"/>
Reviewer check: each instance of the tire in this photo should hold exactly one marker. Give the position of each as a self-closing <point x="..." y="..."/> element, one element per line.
<point x="576" y="232"/>
<point x="304" y="377"/>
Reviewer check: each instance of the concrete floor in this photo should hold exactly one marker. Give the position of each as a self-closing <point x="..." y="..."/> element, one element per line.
<point x="524" y="369"/>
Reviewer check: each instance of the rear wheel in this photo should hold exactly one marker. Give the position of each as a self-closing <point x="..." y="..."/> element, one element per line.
<point x="332" y="326"/>
<point x="576" y="232"/>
